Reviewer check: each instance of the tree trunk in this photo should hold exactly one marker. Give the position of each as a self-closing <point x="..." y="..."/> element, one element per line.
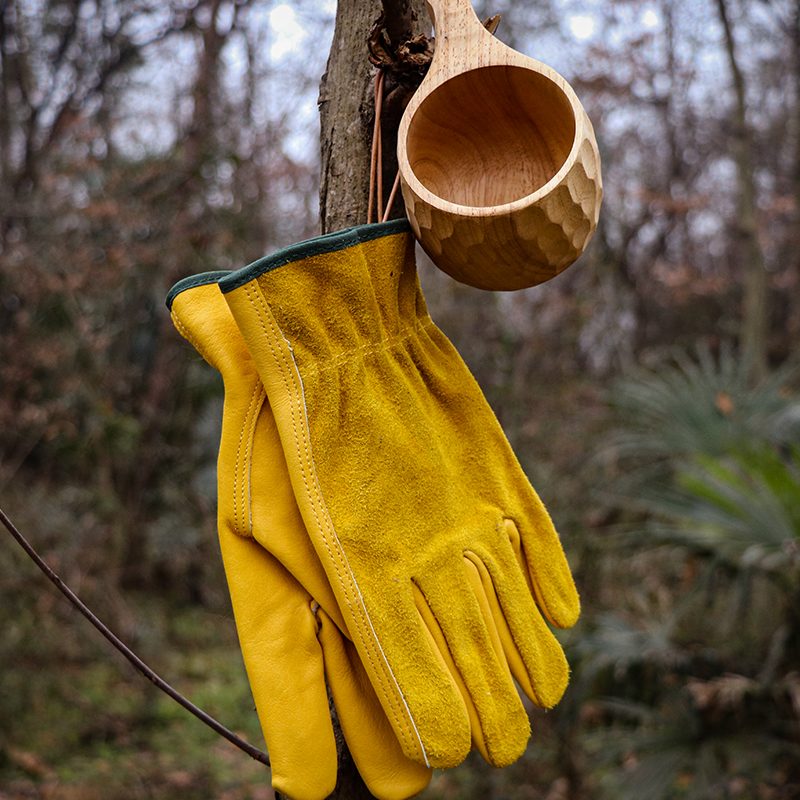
<point x="347" y="113"/>
<point x="793" y="249"/>
<point x="755" y="314"/>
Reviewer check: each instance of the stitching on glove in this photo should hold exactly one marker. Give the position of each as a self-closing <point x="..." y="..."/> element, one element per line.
<point x="187" y="335"/>
<point x="239" y="528"/>
<point x="262" y="398"/>
<point x="384" y="345"/>
<point x="359" y="610"/>
<point x="241" y="473"/>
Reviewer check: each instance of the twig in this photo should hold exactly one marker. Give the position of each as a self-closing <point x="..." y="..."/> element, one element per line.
<point x="137" y="662"/>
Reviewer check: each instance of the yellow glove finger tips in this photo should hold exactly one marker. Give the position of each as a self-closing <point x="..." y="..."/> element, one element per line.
<point x="441" y="651"/>
<point x="534" y="655"/>
<point x="286" y="671"/>
<point x="549" y="576"/>
<point x="439" y="647"/>
<point x="502" y="720"/>
<point x="504" y="648"/>
<point x="387" y="772"/>
<point x="427" y="686"/>
<point x="483" y="586"/>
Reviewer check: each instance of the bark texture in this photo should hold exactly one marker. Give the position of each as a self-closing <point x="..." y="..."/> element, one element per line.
<point x="347" y="112"/>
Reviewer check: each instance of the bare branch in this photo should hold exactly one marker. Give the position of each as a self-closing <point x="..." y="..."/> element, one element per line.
<point x="137" y="662"/>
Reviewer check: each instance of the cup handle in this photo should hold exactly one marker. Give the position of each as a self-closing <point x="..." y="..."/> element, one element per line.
<point x="452" y="17"/>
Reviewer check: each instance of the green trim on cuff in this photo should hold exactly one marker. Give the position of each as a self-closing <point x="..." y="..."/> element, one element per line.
<point x="328" y="243"/>
<point x="201" y="279"/>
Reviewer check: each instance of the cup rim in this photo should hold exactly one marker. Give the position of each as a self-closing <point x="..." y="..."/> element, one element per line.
<point x="409" y="179"/>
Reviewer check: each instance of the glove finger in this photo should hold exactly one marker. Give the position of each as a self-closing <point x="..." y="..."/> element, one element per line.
<point x="551" y="579"/>
<point x="387" y="772"/>
<point x="502" y="720"/>
<point x="285" y="667"/>
<point x="561" y="614"/>
<point x="476" y="575"/>
<point x="535" y="657"/>
<point x="443" y="655"/>
<point x="428" y="690"/>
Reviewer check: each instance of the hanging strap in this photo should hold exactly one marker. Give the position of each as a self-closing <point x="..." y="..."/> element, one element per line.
<point x="376" y="160"/>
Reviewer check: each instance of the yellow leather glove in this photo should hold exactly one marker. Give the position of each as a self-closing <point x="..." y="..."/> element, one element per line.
<point x="290" y="628"/>
<point x="433" y="540"/>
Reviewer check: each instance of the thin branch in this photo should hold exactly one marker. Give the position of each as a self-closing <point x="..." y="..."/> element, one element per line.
<point x="137" y="662"/>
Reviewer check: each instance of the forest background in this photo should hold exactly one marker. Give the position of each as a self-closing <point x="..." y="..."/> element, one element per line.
<point x="650" y="391"/>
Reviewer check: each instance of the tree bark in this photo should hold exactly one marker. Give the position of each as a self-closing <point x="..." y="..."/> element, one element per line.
<point x="347" y="112"/>
<point x="755" y="314"/>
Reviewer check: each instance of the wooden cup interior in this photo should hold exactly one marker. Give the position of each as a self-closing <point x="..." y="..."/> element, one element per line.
<point x="490" y="136"/>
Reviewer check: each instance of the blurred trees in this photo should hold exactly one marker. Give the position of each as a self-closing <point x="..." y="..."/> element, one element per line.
<point x="144" y="141"/>
<point x="108" y="200"/>
<point x="141" y="142"/>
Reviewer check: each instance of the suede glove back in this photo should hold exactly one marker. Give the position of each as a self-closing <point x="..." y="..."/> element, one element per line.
<point x="443" y="560"/>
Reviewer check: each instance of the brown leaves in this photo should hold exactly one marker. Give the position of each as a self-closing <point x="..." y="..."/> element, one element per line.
<point x="409" y="60"/>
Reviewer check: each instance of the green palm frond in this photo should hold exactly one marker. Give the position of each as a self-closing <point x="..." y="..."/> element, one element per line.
<point x="711" y="464"/>
<point x="743" y="508"/>
<point x="703" y="404"/>
<point x="670" y="751"/>
<point x="655" y="776"/>
<point x="620" y="644"/>
<point x="656" y="746"/>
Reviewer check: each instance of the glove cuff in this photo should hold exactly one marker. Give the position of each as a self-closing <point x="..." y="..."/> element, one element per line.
<point x="320" y="245"/>
<point x="340" y="296"/>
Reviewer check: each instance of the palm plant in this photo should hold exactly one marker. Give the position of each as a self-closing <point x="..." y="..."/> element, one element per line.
<point x="712" y="468"/>
<point x="742" y="509"/>
<point x="700" y="403"/>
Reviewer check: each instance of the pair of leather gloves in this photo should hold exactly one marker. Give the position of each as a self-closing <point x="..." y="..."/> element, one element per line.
<point x="377" y="531"/>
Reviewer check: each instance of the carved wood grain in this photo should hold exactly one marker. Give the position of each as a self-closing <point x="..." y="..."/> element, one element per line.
<point x="499" y="165"/>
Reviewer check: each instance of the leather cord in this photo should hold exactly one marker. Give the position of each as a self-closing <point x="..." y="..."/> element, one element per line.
<point x="376" y="161"/>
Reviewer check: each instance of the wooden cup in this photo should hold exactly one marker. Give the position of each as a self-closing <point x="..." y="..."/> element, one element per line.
<point x="499" y="165"/>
